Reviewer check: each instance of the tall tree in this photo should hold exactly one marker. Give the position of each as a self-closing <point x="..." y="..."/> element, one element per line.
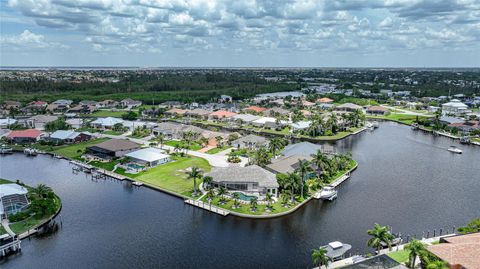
<point x="194" y="174"/>
<point x="303" y="168"/>
<point x="416" y="249"/>
<point x="379" y="234"/>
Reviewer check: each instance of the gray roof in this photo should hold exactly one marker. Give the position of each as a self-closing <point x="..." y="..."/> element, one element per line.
<point x="116" y="145"/>
<point x="301" y="149"/>
<point x="198" y="112"/>
<point x="251" y="139"/>
<point x="349" y="106"/>
<point x="245" y="117"/>
<point x="252" y="173"/>
<point x="451" y="120"/>
<point x="287" y="164"/>
<point x="64" y="134"/>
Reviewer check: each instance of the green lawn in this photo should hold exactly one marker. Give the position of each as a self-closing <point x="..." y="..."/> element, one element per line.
<point x="193" y="145"/>
<point x="246" y="209"/>
<point x="2" y="230"/>
<point x="24" y="225"/>
<point x="217" y="150"/>
<point x="4" y="181"/>
<point x="106" y="113"/>
<point x="111" y="132"/>
<point x="402" y="118"/>
<point x="400" y="256"/>
<point x="72" y="151"/>
<point x="172" y="176"/>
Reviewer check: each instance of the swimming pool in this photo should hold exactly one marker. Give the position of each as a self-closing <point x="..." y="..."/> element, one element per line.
<point x="135" y="166"/>
<point x="244" y="197"/>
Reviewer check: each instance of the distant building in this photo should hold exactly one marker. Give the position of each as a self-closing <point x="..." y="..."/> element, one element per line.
<point x="454" y="107"/>
<point x="25" y="136"/>
<point x="254" y="109"/>
<point x="349" y="107"/>
<point x="150" y="157"/>
<point x="305" y="149"/>
<point x="221" y="114"/>
<point x="225" y="99"/>
<point x="286" y="164"/>
<point x="5" y="123"/>
<point x="68" y="137"/>
<point x="112" y="148"/>
<point x="39" y="121"/>
<point x="105" y="123"/>
<point x="130" y="103"/>
<point x="250" y="142"/>
<point x="377" y="110"/>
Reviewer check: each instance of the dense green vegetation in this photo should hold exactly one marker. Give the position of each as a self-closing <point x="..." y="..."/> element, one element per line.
<point x="148" y="87"/>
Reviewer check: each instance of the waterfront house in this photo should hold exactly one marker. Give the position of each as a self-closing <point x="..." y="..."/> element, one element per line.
<point x="276" y="112"/>
<point x="107" y="104"/>
<point x="305" y="149"/>
<point x="149" y="157"/>
<point x="251" y="180"/>
<point x="349" y="107"/>
<point x="112" y="148"/>
<point x="301" y="125"/>
<point x="34" y="107"/>
<point x="287" y="164"/>
<point x="172" y="130"/>
<point x="458" y="251"/>
<point x="244" y="118"/>
<point x="129" y="103"/>
<point x="454" y="107"/>
<point x="83" y="109"/>
<point x="268" y="122"/>
<point x="74" y="123"/>
<point x="199" y="113"/>
<point x="451" y="120"/>
<point x="68" y="137"/>
<point x="25" y="136"/>
<point x="13" y="199"/>
<point x="250" y="142"/>
<point x="221" y="114"/>
<point x="175" y="112"/>
<point x="254" y="109"/>
<point x="324" y="100"/>
<point x="5" y="123"/>
<point x="39" y="121"/>
<point x="377" y="110"/>
<point x="105" y="123"/>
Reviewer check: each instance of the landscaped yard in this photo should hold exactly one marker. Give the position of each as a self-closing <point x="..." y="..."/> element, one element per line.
<point x="173" y="176"/>
<point x="217" y="149"/>
<point x="76" y="150"/>
<point x="174" y="143"/>
<point x="397" y="117"/>
<point x="111" y="132"/>
<point x="106" y="113"/>
<point x="400" y="256"/>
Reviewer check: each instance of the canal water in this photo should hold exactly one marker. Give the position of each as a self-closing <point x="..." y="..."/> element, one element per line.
<point x="406" y="179"/>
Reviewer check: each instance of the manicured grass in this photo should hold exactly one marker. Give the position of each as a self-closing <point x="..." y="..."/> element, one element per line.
<point x="4" y="181"/>
<point x="72" y="151"/>
<point x="111" y="132"/>
<point x="172" y="176"/>
<point x="106" y="113"/>
<point x="400" y="256"/>
<point x="217" y="150"/>
<point x="246" y="209"/>
<point x="24" y="225"/>
<point x="104" y="165"/>
<point x="2" y="230"/>
<point x="397" y="117"/>
<point x="193" y="145"/>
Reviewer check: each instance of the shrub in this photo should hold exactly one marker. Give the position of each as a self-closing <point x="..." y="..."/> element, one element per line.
<point x="19" y="216"/>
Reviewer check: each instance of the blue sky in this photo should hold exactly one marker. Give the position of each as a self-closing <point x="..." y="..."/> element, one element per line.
<point x="250" y="33"/>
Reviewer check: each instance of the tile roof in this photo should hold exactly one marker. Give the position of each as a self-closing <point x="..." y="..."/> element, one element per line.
<point x="463" y="250"/>
<point x="29" y="133"/>
<point x="255" y="109"/>
<point x="222" y="114"/>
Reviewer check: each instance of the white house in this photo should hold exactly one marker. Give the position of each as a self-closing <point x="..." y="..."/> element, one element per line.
<point x="4" y="123"/>
<point x="301" y="125"/>
<point x="149" y="157"/>
<point x="454" y="107"/>
<point x="105" y="123"/>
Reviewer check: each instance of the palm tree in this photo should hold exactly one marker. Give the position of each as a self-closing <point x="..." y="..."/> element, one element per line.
<point x="269" y="199"/>
<point x="222" y="191"/>
<point x="219" y="140"/>
<point x="261" y="157"/>
<point x="161" y="139"/>
<point x="285" y="198"/>
<point x="194" y="174"/>
<point x="210" y="196"/>
<point x="303" y="168"/>
<point x="416" y="249"/>
<point x="207" y="180"/>
<point x="275" y="145"/>
<point x="42" y="190"/>
<point x="292" y="183"/>
<point x="236" y="202"/>
<point x="253" y="203"/>
<point x="319" y="257"/>
<point x="322" y="162"/>
<point x="379" y="234"/>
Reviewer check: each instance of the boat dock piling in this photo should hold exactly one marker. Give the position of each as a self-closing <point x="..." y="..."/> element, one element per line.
<point x="207" y="207"/>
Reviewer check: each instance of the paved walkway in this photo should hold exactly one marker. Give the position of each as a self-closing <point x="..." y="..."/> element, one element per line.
<point x="7" y="228"/>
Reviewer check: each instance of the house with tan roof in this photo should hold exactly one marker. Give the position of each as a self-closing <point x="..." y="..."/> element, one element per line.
<point x="458" y="251"/>
<point x="221" y="114"/>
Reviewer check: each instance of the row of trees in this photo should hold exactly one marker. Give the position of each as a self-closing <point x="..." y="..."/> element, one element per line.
<point x="381" y="236"/>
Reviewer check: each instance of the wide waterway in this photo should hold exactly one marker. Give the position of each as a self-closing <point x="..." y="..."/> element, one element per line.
<point x="406" y="179"/>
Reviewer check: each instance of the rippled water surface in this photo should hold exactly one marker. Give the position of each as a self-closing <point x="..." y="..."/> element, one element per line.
<point x="405" y="179"/>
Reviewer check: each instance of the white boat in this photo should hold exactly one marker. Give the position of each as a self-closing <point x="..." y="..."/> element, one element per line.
<point x="369" y="125"/>
<point x="136" y="183"/>
<point x="4" y="149"/>
<point x="30" y="152"/>
<point x="328" y="193"/>
<point x="375" y="124"/>
<point x="415" y="126"/>
<point x="336" y="250"/>
<point x="455" y="150"/>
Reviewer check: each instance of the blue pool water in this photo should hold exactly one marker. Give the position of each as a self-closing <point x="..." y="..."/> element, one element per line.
<point x="245" y="197"/>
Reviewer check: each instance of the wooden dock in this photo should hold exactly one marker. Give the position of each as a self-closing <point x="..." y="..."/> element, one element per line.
<point x="341" y="179"/>
<point x="207" y="207"/>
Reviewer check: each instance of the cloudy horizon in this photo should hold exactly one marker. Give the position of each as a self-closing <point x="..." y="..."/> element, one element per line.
<point x="207" y="33"/>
